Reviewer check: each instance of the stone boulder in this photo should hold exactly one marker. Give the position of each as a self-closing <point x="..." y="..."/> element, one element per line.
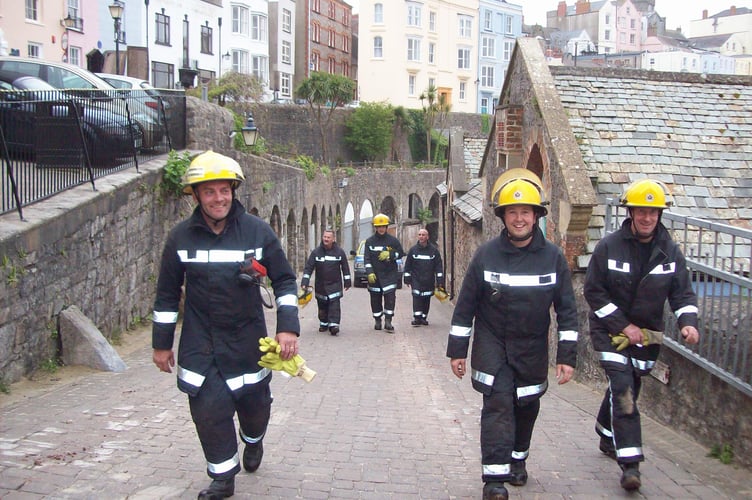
<point x="83" y="343"/>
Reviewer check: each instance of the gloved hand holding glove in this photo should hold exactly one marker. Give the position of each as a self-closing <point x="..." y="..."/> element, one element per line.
<point x="295" y="366"/>
<point x="371" y="279"/>
<point x="304" y="296"/>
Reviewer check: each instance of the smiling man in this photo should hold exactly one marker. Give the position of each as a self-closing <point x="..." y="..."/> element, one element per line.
<point x="505" y="299"/>
<point x="212" y="253"/>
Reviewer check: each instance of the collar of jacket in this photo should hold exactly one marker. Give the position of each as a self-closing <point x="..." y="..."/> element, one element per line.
<point x="197" y="219"/>
<point x="538" y="241"/>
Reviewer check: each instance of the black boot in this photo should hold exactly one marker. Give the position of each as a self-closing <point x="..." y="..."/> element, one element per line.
<point x="377" y="324"/>
<point x="495" y="491"/>
<point x="416" y="321"/>
<point x="252" y="456"/>
<point x="519" y="473"/>
<point x="218" y="489"/>
<point x="388" y="324"/>
<point x="630" y="476"/>
<point x="334" y="330"/>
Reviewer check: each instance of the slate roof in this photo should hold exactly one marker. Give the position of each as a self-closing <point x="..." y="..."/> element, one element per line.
<point x="692" y="132"/>
<point x="470" y="205"/>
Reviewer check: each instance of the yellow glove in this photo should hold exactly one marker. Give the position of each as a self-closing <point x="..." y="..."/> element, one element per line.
<point x="385" y="255"/>
<point x="304" y="296"/>
<point x="295" y="366"/>
<point x="440" y="294"/>
<point x="268" y="344"/>
<point x="620" y="341"/>
<point x="651" y="337"/>
<point x="371" y="279"/>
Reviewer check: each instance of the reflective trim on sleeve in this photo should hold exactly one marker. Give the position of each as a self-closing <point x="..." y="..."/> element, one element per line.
<point x="347" y="277"/>
<point x="461" y="331"/>
<point x="306" y="276"/>
<point x="520" y="455"/>
<point x="287" y="300"/>
<point x="667" y="268"/>
<point x="190" y="378"/>
<point x="631" y="452"/>
<point x="568" y="335"/>
<point x="236" y="383"/>
<point x="612" y="357"/>
<point x="531" y="390"/>
<point x="483" y="378"/>
<point x="614" y="265"/>
<point x="165" y="317"/>
<point x="496" y="469"/>
<point x="643" y="365"/>
<point x="520" y="280"/>
<point x="406" y="274"/>
<point x="225" y="466"/>
<point x="439" y="275"/>
<point x="606" y="310"/>
<point x="685" y="310"/>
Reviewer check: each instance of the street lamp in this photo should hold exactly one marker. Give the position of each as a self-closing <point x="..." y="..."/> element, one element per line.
<point x="250" y="132"/>
<point x="116" y="11"/>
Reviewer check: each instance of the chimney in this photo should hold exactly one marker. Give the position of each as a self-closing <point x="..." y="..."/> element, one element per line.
<point x="705" y="14"/>
<point x="582" y="7"/>
<point x="732" y="11"/>
<point x="561" y="10"/>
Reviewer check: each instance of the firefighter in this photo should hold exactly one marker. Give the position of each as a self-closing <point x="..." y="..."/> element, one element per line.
<point x="218" y="253"/>
<point x="424" y="272"/>
<point x="382" y="250"/>
<point x="505" y="298"/>
<point x="329" y="262"/>
<point x="631" y="274"/>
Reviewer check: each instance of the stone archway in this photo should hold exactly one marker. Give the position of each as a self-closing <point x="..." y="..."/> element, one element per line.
<point x="292" y="247"/>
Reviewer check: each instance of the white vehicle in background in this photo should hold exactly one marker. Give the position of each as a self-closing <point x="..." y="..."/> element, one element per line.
<point x="152" y="95"/>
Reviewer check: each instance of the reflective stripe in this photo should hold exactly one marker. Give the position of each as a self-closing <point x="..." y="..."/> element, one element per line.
<point x="377" y="315"/>
<point x="461" y="331"/>
<point x="423" y="257"/>
<point x="531" y="390"/>
<point x="389" y="288"/>
<point x="643" y="365"/>
<point x="622" y="267"/>
<point x="206" y="256"/>
<point x="520" y="455"/>
<point x="439" y="275"/>
<point x="190" y="378"/>
<point x="347" y="277"/>
<point x="250" y="440"/>
<point x="287" y="300"/>
<point x="603" y="430"/>
<point x="606" y="310"/>
<point x="164" y="317"/>
<point x="225" y="466"/>
<point x="568" y="335"/>
<point x="483" y="378"/>
<point x="667" y="268"/>
<point x="389" y="312"/>
<point x="418" y="293"/>
<point x="634" y="451"/>
<point x="334" y="324"/>
<point x="247" y="379"/>
<point x="612" y="357"/>
<point x="327" y="257"/>
<point x="377" y="249"/>
<point x="496" y="469"/>
<point x="306" y="276"/>
<point x="406" y="275"/>
<point x="685" y="310"/>
<point x="519" y="279"/>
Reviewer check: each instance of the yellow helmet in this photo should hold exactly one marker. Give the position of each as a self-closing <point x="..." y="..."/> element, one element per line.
<point x="514" y="173"/>
<point x="380" y="220"/>
<point x="519" y="192"/>
<point x="647" y="193"/>
<point x="211" y="166"/>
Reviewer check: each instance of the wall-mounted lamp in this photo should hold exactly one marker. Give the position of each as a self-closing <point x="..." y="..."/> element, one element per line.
<point x="69" y="22"/>
<point x="250" y="131"/>
<point x="227" y="55"/>
<point x="116" y="11"/>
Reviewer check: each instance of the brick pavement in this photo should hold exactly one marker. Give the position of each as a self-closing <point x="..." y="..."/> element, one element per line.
<point x="384" y="418"/>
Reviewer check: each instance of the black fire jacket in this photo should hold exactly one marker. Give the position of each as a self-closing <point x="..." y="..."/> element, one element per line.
<point x="423" y="269"/>
<point x="331" y="268"/>
<point x="223" y="316"/>
<point x="386" y="270"/>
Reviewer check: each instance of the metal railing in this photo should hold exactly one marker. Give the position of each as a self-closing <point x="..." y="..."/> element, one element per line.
<point x="719" y="257"/>
<point x="52" y="140"/>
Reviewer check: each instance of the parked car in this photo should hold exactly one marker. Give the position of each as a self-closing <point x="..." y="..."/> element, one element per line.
<point x="71" y="77"/>
<point x="360" y="278"/>
<point x="150" y="96"/>
<point x="109" y="138"/>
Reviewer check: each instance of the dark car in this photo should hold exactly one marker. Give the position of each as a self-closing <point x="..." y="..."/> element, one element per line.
<point x="360" y="278"/>
<point x="31" y="108"/>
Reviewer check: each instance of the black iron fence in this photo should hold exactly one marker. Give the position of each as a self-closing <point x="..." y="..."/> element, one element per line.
<point x="51" y="140"/>
<point x="719" y="257"/>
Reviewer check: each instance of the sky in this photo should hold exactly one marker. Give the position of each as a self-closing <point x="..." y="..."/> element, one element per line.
<point x="677" y="12"/>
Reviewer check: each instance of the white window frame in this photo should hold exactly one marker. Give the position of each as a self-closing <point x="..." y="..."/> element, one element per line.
<point x="488" y="46"/>
<point x="464" y="26"/>
<point x="259" y="24"/>
<point x="487" y="76"/>
<point x="431" y="53"/>
<point x="286" y="20"/>
<point x="378" y="47"/>
<point x="240" y="20"/>
<point x="378" y="13"/>
<point x="31" y="10"/>
<point x="74" y="55"/>
<point x="413" y="49"/>
<point x="411" y="80"/>
<point x="463" y="58"/>
<point x="285" y="84"/>
<point x="286" y="52"/>
<point x="510" y="25"/>
<point x="240" y="61"/>
<point x="484" y="105"/>
<point x="463" y="91"/>
<point x="413" y="14"/>
<point x="260" y="68"/>
<point x="432" y="21"/>
<point x="488" y="20"/>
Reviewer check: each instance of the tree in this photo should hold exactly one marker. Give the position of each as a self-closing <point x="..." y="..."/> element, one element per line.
<point x="324" y="93"/>
<point x="236" y="87"/>
<point x="369" y="130"/>
<point x="435" y="108"/>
